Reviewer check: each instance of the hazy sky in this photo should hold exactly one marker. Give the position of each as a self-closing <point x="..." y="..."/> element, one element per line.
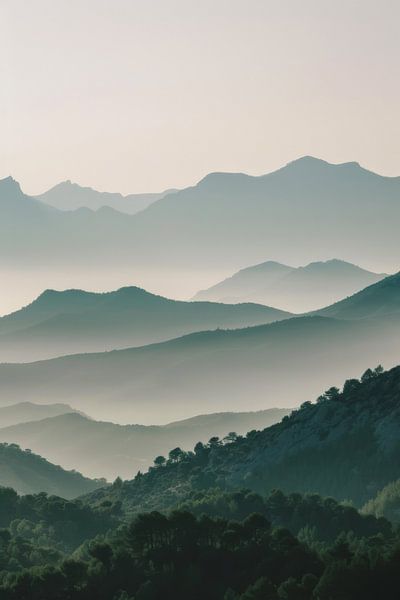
<point x="142" y="95"/>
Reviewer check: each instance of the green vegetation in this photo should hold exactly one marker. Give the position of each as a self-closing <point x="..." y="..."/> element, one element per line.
<point x="51" y="521"/>
<point x="346" y="446"/>
<point x="109" y="450"/>
<point x="186" y="529"/>
<point x="386" y="503"/>
<point x="183" y="555"/>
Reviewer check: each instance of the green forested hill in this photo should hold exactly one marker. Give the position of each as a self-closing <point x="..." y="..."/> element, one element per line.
<point x="347" y="445"/>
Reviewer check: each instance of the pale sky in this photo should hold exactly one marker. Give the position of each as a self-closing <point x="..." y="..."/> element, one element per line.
<point x="143" y="95"/>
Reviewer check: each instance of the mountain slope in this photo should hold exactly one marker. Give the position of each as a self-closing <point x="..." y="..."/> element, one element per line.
<point x="71" y="196"/>
<point x="76" y="321"/>
<point x="29" y="473"/>
<point x="25" y="412"/>
<point x="297" y="289"/>
<point x="346" y="446"/>
<point x="378" y="300"/>
<point x="101" y="449"/>
<point x="281" y="364"/>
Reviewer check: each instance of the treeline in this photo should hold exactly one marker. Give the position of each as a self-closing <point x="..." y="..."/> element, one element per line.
<point x="310" y="515"/>
<point x="44" y="521"/>
<point x="183" y="556"/>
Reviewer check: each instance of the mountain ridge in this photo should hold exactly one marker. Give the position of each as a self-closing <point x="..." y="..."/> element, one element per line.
<point x="285" y="214"/>
<point x="298" y="289"/>
<point x="73" y="321"/>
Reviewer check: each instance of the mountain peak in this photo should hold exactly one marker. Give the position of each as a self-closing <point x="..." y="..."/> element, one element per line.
<point x="311" y="162"/>
<point x="9" y="184"/>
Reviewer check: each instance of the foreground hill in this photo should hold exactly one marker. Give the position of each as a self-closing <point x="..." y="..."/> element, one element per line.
<point x="24" y="412"/>
<point x="224" y="221"/>
<point x="101" y="449"/>
<point x="297" y="289"/>
<point x="346" y="446"/>
<point x="71" y="196"/>
<point x="29" y="473"/>
<point x="75" y="321"/>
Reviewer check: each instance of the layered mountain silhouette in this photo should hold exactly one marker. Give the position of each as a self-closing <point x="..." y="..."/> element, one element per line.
<point x="280" y="364"/>
<point x="345" y="446"/>
<point x="24" y="412"/>
<point x="75" y="321"/>
<point x="379" y="300"/>
<point x="28" y="473"/>
<point x="104" y="449"/>
<point x="71" y="196"/>
<point x="225" y="221"/>
<point x="297" y="289"/>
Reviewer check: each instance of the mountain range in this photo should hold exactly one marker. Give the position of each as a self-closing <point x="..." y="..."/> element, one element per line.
<point x="226" y="221"/>
<point x="71" y="196"/>
<point x="277" y="365"/>
<point x="74" y="321"/>
<point x="104" y="449"/>
<point x="298" y="289"/>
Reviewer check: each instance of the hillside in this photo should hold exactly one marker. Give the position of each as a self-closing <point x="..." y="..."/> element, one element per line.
<point x="71" y="196"/>
<point x="298" y="289"/>
<point x="75" y="321"/>
<point x="29" y="473"/>
<point x="101" y="449"/>
<point x="24" y="412"/>
<point x="345" y="446"/>
<point x="376" y="301"/>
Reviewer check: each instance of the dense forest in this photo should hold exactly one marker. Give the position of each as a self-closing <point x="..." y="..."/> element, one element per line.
<point x="235" y="546"/>
<point x="210" y="523"/>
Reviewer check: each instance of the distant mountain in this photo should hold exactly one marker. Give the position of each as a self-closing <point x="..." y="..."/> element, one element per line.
<point x="296" y="289"/>
<point x="281" y="364"/>
<point x="346" y="446"/>
<point x="277" y="365"/>
<point x="224" y="221"/>
<point x="376" y="301"/>
<point x="24" y="412"/>
<point x="71" y="196"/>
<point x="75" y="321"/>
<point x="101" y="449"/>
<point x="29" y="473"/>
<point x="231" y="219"/>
